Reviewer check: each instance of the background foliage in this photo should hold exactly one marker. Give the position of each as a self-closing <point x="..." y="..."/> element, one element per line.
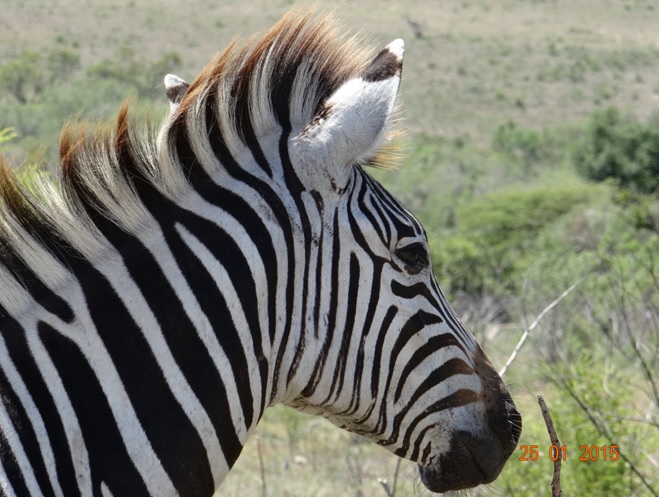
<point x="532" y="158"/>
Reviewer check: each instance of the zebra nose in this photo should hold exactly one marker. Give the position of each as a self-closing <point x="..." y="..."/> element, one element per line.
<point x="478" y="457"/>
<point x="470" y="461"/>
<point x="474" y="459"/>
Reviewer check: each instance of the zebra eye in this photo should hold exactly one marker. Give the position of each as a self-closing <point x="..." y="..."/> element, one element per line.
<point x="414" y="256"/>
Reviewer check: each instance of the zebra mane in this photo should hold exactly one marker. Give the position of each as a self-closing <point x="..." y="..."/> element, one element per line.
<point x="274" y="83"/>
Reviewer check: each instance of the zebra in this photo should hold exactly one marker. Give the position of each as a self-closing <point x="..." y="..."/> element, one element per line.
<point x="176" y="282"/>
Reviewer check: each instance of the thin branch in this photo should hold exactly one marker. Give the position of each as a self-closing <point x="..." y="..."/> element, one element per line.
<point x="646" y="421"/>
<point x="264" y="486"/>
<point x="391" y="492"/>
<point x="528" y="330"/>
<point x="647" y="370"/>
<point x="556" y="476"/>
<point x="606" y="433"/>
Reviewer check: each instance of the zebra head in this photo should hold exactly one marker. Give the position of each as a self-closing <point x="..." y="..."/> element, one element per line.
<point x="371" y="342"/>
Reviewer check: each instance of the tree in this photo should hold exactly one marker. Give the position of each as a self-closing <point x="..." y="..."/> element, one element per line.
<point x="29" y="74"/>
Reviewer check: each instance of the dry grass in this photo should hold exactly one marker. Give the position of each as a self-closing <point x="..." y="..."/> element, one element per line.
<point x="477" y="63"/>
<point x="301" y="456"/>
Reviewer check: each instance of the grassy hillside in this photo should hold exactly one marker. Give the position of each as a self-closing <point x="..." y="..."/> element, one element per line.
<point x="512" y="109"/>
<point x="472" y="65"/>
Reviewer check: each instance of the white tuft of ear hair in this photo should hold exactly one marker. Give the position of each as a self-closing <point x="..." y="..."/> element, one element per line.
<point x="351" y="123"/>
<point x="175" y="88"/>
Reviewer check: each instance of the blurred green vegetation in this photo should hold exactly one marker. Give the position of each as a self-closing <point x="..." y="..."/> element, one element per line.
<point x="621" y="147"/>
<point x="44" y="90"/>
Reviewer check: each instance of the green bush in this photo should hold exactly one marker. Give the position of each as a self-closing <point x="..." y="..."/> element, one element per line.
<point x="27" y="76"/>
<point x="495" y="235"/>
<point x="620" y="147"/>
<point x="528" y="146"/>
<point x="141" y="75"/>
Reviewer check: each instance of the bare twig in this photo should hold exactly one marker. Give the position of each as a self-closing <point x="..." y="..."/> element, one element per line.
<point x="647" y="370"/>
<point x="264" y="487"/>
<point x="606" y="433"/>
<point x="391" y="491"/>
<point x="528" y="330"/>
<point x="556" y="476"/>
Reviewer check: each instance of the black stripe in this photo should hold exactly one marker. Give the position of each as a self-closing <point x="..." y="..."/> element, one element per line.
<point x="388" y="200"/>
<point x="434" y="344"/>
<point x="295" y="187"/>
<point x="373" y="218"/>
<point x="213" y="303"/>
<point x="346" y="334"/>
<point x="361" y="240"/>
<point x="267" y="192"/>
<point x="459" y="398"/>
<point x="12" y="469"/>
<point x="109" y="462"/>
<point x="218" y="242"/>
<point x="225" y="249"/>
<point x="373" y="304"/>
<point x="379" y="214"/>
<point x="319" y="263"/>
<point x="43" y="295"/>
<point x="170" y="432"/>
<point x="26" y="434"/>
<point x="413" y="325"/>
<point x="208" y="385"/>
<point x="439" y="375"/>
<point x="330" y="326"/>
<point x="410" y="292"/>
<point x="22" y="358"/>
<point x="186" y="346"/>
<point x="376" y="357"/>
<point x="243" y="120"/>
<point x="416" y="447"/>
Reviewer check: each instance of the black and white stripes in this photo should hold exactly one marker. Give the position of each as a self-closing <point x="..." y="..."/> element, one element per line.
<point x="180" y="284"/>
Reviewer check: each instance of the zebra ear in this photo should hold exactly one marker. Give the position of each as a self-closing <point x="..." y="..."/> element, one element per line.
<point x="350" y="124"/>
<point x="175" y="88"/>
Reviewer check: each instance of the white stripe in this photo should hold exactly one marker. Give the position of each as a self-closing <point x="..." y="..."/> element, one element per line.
<point x="140" y="311"/>
<point x="105" y="491"/>
<point x="221" y="277"/>
<point x="204" y="330"/>
<point x="134" y="438"/>
<point x="50" y="375"/>
<point x="236" y="231"/>
<point x="33" y="414"/>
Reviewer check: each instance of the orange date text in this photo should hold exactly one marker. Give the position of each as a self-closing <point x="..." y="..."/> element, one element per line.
<point x="559" y="452"/>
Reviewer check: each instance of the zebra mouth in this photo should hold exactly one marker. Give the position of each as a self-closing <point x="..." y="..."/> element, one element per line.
<point x="468" y="463"/>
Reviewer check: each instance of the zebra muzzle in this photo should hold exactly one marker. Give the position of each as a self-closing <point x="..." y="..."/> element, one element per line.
<point x="471" y="459"/>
